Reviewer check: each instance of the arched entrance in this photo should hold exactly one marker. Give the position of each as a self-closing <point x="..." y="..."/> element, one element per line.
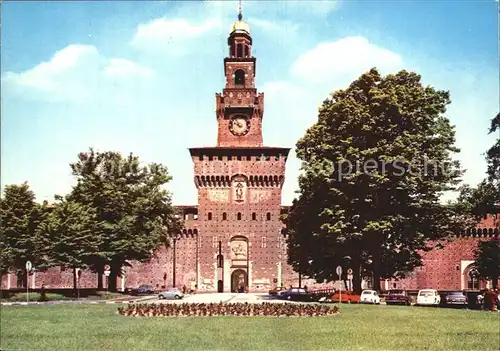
<point x="239" y="280"/>
<point x="471" y="278"/>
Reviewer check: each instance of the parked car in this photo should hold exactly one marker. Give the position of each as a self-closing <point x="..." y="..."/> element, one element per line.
<point x="296" y="294"/>
<point x="428" y="297"/>
<point x="398" y="297"/>
<point x="345" y="297"/>
<point x="455" y="299"/>
<point x="369" y="296"/>
<point x="171" y="294"/>
<point x="276" y="290"/>
<point x="143" y="290"/>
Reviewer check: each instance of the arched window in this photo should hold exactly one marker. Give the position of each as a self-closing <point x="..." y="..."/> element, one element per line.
<point x="247" y="52"/>
<point x="224" y="216"/>
<point x="209" y="216"/>
<point x="232" y="50"/>
<point x="239" y="216"/>
<point x="268" y="216"/>
<point x="473" y="279"/>
<point x="239" y="77"/>
<point x="239" y="50"/>
<point x="254" y="216"/>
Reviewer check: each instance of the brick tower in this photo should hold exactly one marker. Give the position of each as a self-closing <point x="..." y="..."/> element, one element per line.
<point x="239" y="184"/>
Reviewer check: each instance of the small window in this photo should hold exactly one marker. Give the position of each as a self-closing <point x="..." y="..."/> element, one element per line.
<point x="224" y="216"/>
<point x="268" y="216"/>
<point x="209" y="216"/>
<point x="239" y="50"/>
<point x="254" y="216"/>
<point x="247" y="52"/>
<point x="239" y="77"/>
<point x="239" y="216"/>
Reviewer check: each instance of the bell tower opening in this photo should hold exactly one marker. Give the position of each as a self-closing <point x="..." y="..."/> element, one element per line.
<point x="239" y="77"/>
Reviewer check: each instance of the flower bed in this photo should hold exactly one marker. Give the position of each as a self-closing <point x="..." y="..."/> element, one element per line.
<point x="231" y="309"/>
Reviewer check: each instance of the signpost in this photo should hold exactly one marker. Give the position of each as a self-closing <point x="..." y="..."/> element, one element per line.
<point x="29" y="267"/>
<point x="107" y="272"/>
<point x="339" y="273"/>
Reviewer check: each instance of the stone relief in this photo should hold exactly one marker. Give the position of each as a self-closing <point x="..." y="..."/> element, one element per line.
<point x="218" y="195"/>
<point x="239" y="190"/>
<point x="239" y="250"/>
<point x="259" y="195"/>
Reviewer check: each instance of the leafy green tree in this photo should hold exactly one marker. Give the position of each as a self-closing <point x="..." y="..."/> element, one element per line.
<point x="374" y="166"/>
<point x="71" y="228"/>
<point x="19" y="240"/>
<point x="133" y="209"/>
<point x="487" y="260"/>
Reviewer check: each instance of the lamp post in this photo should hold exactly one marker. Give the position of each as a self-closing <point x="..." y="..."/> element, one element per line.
<point x="174" y="238"/>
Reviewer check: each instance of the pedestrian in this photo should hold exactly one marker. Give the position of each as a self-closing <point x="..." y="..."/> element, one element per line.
<point x="43" y="296"/>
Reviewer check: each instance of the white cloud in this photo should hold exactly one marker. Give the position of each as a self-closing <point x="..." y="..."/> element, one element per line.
<point x="126" y="68"/>
<point x="345" y="58"/>
<point x="75" y="73"/>
<point x="164" y="31"/>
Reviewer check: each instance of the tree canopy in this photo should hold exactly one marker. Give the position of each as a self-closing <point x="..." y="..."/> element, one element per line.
<point x="20" y="216"/>
<point x="374" y="166"/>
<point x="487" y="260"/>
<point x="133" y="210"/>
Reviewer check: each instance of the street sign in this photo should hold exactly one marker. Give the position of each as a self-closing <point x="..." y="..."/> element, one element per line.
<point x="28" y="266"/>
<point x="349" y="271"/>
<point x="339" y="271"/>
<point x="106" y="273"/>
<point x="107" y="267"/>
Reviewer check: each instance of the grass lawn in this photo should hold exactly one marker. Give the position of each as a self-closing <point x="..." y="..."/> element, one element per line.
<point x="358" y="327"/>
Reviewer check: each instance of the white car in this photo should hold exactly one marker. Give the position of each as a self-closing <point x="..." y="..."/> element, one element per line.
<point x="428" y="297"/>
<point x="369" y="296"/>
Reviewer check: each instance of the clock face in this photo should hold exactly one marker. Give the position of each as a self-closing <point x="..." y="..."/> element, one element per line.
<point x="239" y="125"/>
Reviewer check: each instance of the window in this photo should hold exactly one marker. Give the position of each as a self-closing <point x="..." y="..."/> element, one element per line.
<point x="239" y="216"/>
<point x="239" y="77"/>
<point x="209" y="216"/>
<point x="247" y="51"/>
<point x="254" y="216"/>
<point x="239" y="50"/>
<point x="224" y="216"/>
<point x="268" y="216"/>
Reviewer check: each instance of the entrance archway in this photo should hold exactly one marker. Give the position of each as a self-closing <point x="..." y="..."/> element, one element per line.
<point x="239" y="280"/>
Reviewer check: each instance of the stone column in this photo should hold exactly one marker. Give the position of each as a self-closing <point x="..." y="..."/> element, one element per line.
<point x="33" y="285"/>
<point x="8" y="280"/>
<point x="250" y="275"/>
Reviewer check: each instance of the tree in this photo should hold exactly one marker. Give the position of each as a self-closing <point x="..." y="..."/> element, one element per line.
<point x="71" y="228"/>
<point x="133" y="210"/>
<point x="19" y="241"/>
<point x="487" y="260"/>
<point x="373" y="168"/>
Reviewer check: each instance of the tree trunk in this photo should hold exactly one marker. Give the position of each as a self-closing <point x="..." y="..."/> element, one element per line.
<point x="356" y="277"/>
<point x="99" y="279"/>
<point x="113" y="275"/>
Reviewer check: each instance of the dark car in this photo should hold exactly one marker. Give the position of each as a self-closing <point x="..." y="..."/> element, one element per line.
<point x="295" y="294"/>
<point x="143" y="290"/>
<point x="454" y="299"/>
<point x="398" y="297"/>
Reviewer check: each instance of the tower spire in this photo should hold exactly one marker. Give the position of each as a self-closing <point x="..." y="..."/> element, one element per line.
<point x="240" y="14"/>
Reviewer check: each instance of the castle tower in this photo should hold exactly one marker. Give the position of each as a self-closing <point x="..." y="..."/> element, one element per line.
<point x="239" y="184"/>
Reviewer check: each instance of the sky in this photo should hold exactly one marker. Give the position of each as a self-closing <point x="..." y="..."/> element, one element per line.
<point x="141" y="77"/>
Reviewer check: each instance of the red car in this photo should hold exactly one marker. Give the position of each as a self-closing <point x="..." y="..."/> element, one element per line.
<point x="275" y="291"/>
<point x="346" y="297"/>
<point x="398" y="297"/>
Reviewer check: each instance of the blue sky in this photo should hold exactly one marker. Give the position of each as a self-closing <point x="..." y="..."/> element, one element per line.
<point x="142" y="76"/>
